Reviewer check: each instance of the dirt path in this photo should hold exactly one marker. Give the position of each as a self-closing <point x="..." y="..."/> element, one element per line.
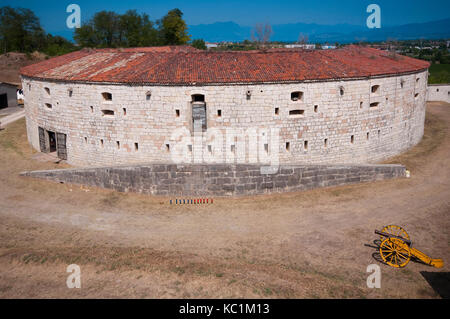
<point x="308" y="244"/>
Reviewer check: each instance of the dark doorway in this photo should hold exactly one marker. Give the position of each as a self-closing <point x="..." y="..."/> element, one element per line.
<point x="52" y="141"/>
<point x="3" y="101"/>
<point x="61" y="145"/>
<point x="199" y="115"/>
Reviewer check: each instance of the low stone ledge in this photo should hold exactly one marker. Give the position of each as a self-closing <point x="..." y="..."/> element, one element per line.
<point x="219" y="179"/>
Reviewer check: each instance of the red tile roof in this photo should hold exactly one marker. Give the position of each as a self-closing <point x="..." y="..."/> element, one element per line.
<point x="186" y="65"/>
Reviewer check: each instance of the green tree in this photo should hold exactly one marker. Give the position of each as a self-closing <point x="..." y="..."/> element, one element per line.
<point x="199" y="44"/>
<point x="137" y="30"/>
<point x="173" y="29"/>
<point x="108" y="29"/>
<point x="20" y="30"/>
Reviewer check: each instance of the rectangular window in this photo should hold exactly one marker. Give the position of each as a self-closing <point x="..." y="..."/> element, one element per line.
<point x="325" y="142"/>
<point x="316" y="108"/>
<point x="374" y="104"/>
<point x="277" y="111"/>
<point x="108" y="112"/>
<point x="288" y="146"/>
<point x="352" y="139"/>
<point x="124" y="111"/>
<point x="296" y="112"/>
<point x="305" y="145"/>
<point x="136" y="146"/>
<point x="118" y="144"/>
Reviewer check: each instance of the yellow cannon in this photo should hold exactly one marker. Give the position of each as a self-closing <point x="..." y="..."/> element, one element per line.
<point x="396" y="248"/>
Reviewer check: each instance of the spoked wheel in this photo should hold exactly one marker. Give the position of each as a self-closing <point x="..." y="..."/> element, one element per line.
<point x="395" y="252"/>
<point x="394" y="230"/>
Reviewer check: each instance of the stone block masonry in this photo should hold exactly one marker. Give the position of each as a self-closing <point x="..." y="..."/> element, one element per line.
<point x="219" y="179"/>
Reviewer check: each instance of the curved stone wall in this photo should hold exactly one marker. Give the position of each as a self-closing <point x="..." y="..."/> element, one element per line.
<point x="352" y="121"/>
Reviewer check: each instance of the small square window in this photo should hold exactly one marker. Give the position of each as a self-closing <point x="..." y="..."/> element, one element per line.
<point x="107" y="96"/>
<point x="296" y="96"/>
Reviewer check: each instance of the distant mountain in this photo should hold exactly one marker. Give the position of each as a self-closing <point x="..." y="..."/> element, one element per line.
<point x="343" y="33"/>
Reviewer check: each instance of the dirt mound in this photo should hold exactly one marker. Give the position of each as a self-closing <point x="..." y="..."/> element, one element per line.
<point x="11" y="62"/>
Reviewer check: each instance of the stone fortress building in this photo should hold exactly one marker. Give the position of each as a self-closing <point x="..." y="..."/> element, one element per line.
<point x="98" y="107"/>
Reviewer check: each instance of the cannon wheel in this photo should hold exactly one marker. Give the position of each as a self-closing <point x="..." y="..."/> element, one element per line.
<point x="394" y="230"/>
<point x="395" y="252"/>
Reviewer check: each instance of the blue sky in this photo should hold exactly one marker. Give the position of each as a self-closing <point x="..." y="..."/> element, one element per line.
<point x="52" y="13"/>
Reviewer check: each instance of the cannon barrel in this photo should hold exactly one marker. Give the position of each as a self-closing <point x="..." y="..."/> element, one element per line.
<point x="407" y="241"/>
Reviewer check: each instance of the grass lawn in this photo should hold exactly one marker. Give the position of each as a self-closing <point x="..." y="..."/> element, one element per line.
<point x="439" y="73"/>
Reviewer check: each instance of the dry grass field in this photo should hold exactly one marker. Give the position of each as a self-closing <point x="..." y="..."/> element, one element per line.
<point x="313" y="244"/>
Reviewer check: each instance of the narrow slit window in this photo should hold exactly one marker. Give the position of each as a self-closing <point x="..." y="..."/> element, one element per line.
<point x="297" y="96"/>
<point x="266" y="148"/>
<point x="277" y="111"/>
<point x="92" y="109"/>
<point x="296" y="112"/>
<point x="167" y="147"/>
<point x="85" y="139"/>
<point x="352" y="139"/>
<point x="341" y="90"/>
<point x="367" y="136"/>
<point x="288" y="146"/>
<point x="148" y="96"/>
<point x="101" y="142"/>
<point x="316" y="108"/>
<point x="124" y="111"/>
<point x="379" y="133"/>
<point x="70" y="92"/>
<point x="209" y="148"/>
<point x="219" y="113"/>
<point x="177" y="113"/>
<point x="118" y="144"/>
<point x="305" y="145"/>
<point x="136" y="146"/>
<point x="325" y="142"/>
<point x="360" y="105"/>
<point x="233" y="148"/>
